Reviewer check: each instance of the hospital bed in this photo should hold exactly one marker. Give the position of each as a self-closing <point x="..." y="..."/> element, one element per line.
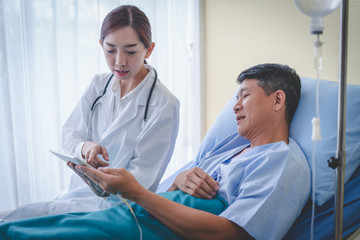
<point x="325" y="177"/>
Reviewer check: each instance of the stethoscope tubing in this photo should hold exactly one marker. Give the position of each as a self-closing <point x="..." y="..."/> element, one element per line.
<point x="149" y="96"/>
<point x="105" y="89"/>
<point x="98" y="98"/>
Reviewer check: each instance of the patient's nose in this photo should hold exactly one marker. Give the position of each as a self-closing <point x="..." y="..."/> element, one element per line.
<point x="237" y="106"/>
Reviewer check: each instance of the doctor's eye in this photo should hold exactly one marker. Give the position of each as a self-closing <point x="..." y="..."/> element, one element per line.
<point x="130" y="52"/>
<point x="110" y="51"/>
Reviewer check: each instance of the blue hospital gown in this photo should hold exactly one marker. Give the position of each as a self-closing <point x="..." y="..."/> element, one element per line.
<point x="266" y="187"/>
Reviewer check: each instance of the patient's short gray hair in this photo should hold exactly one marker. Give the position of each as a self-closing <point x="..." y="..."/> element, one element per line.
<point x="272" y="77"/>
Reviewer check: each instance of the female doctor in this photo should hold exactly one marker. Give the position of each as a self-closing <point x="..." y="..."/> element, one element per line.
<point x="125" y="119"/>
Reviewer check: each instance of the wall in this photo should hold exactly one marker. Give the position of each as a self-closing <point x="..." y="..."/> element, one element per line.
<point x="243" y="33"/>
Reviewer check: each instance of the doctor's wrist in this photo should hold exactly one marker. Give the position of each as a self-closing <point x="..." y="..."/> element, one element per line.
<point x="82" y="150"/>
<point x="78" y="150"/>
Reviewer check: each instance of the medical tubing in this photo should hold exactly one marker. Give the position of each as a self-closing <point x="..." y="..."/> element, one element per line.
<point x="318" y="67"/>
<point x="94" y="104"/>
<point x="318" y="54"/>
<point x="149" y="96"/>
<point x="132" y="212"/>
<point x="313" y="175"/>
<point x="104" y="91"/>
<point x="316" y="134"/>
<point x="317" y="95"/>
<point x="316" y="127"/>
<point x="315" y="137"/>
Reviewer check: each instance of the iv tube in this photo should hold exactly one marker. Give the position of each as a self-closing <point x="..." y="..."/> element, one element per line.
<point x="318" y="55"/>
<point x="315" y="125"/>
<point x="318" y="65"/>
<point x="316" y="10"/>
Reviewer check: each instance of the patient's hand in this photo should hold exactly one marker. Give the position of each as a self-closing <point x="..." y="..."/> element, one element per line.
<point x="114" y="180"/>
<point x="90" y="151"/>
<point x="196" y="183"/>
<point x="96" y="189"/>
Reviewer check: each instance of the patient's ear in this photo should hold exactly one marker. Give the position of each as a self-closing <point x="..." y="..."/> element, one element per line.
<point x="279" y="100"/>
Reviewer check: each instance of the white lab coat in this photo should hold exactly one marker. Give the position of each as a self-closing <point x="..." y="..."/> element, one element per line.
<point x="142" y="148"/>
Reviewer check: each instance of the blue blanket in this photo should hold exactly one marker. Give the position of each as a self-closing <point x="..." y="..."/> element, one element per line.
<point x="114" y="223"/>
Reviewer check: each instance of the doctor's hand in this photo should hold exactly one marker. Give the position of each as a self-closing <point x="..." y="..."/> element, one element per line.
<point x="90" y="151"/>
<point x="196" y="182"/>
<point x="114" y="180"/>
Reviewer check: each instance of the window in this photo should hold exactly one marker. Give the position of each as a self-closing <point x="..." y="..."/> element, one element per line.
<point x="49" y="52"/>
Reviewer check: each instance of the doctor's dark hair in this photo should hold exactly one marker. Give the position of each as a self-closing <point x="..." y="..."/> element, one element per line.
<point x="127" y="16"/>
<point x="272" y="77"/>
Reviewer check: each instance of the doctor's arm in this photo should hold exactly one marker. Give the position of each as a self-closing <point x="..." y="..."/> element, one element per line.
<point x="185" y="221"/>
<point x="74" y="133"/>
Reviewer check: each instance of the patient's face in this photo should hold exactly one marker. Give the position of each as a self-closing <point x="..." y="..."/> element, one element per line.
<point x="254" y="110"/>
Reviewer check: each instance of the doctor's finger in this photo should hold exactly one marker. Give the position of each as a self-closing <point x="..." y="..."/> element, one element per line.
<point x="104" y="153"/>
<point x="93" y="159"/>
<point x="99" y="163"/>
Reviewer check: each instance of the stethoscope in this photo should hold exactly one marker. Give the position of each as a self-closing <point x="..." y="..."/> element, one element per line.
<point x="96" y="101"/>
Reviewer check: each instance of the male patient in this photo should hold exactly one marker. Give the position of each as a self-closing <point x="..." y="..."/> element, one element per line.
<point x="265" y="182"/>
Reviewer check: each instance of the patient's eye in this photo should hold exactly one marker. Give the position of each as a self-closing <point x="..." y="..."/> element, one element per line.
<point x="245" y="93"/>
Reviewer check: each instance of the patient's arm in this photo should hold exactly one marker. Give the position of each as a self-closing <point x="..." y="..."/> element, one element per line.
<point x="196" y="182"/>
<point x="185" y="221"/>
<point x="189" y="223"/>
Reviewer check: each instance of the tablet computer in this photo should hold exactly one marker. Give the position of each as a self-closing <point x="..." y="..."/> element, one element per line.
<point x="68" y="158"/>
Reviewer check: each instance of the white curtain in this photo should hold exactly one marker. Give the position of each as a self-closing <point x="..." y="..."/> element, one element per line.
<point x="49" y="52"/>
